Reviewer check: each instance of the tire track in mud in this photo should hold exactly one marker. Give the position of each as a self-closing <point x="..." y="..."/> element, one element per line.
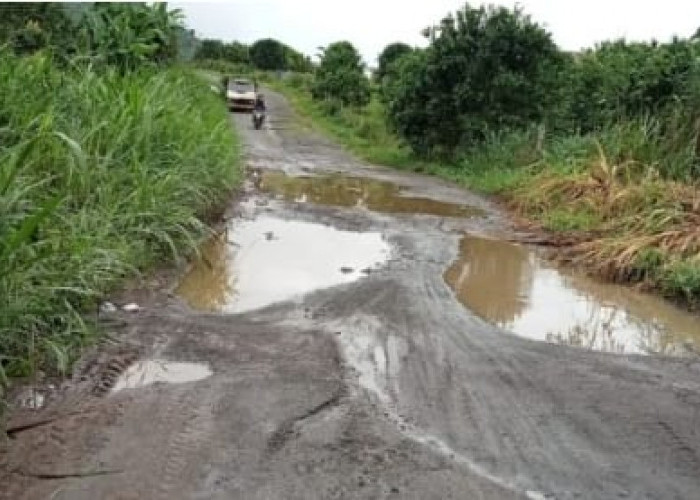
<point x="557" y="430"/>
<point x="292" y="427"/>
<point x="387" y="396"/>
<point x="195" y="422"/>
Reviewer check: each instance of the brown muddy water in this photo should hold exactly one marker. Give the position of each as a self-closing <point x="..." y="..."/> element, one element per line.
<point x="341" y="191"/>
<point x="266" y="260"/>
<point x="510" y="286"/>
<point x="152" y="371"/>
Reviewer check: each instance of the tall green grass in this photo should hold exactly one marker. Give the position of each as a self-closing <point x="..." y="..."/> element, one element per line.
<point x="101" y="175"/>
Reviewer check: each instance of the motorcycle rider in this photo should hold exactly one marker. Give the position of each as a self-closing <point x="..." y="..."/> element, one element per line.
<point x="259" y="110"/>
<point x="259" y="103"/>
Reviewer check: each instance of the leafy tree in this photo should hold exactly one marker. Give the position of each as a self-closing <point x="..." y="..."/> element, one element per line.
<point x="340" y="76"/>
<point x="210" y="49"/>
<point x="296" y="61"/>
<point x="236" y="52"/>
<point x="269" y="54"/>
<point x="486" y="68"/>
<point x="388" y="56"/>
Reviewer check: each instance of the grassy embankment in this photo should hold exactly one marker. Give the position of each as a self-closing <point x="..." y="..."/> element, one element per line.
<point x="102" y="175"/>
<point x="603" y="191"/>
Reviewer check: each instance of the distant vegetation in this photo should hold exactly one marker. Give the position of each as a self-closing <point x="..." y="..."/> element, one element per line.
<point x="110" y="157"/>
<point x="603" y="145"/>
<point x="265" y="55"/>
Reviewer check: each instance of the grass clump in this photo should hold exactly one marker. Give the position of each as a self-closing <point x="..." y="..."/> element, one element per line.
<point x="101" y="175"/>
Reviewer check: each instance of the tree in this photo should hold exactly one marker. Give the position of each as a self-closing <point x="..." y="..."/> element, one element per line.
<point x="268" y="54"/>
<point x="210" y="49"/>
<point x="296" y="61"/>
<point x="340" y="76"/>
<point x="236" y="52"/>
<point x="486" y="69"/>
<point x="390" y="55"/>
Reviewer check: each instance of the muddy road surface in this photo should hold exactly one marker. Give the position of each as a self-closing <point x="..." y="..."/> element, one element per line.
<point x="333" y="341"/>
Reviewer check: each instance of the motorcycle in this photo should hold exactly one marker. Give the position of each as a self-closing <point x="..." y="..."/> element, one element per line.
<point x="258" y="118"/>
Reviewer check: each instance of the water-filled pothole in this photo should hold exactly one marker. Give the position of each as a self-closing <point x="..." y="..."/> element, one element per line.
<point x="268" y="260"/>
<point x="152" y="371"/>
<point x="342" y="191"/>
<point x="510" y="286"/>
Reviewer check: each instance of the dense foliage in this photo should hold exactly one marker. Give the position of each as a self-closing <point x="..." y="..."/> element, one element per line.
<point x="121" y="35"/>
<point x="340" y="76"/>
<point x="486" y="69"/>
<point x="109" y="157"/>
<point x="268" y="54"/>
<point x="130" y="35"/>
<point x="620" y="80"/>
<point x="391" y="53"/>
<point x="28" y="27"/>
<point x="234" y="52"/>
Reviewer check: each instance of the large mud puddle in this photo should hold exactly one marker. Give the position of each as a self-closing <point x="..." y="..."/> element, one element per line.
<point x="508" y="285"/>
<point x="267" y="260"/>
<point x="342" y="191"/>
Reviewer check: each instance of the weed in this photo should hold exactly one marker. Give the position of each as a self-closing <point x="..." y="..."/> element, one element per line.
<point x="682" y="279"/>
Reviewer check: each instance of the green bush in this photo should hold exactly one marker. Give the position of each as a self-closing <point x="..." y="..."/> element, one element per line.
<point x="620" y="80"/>
<point x="485" y="70"/>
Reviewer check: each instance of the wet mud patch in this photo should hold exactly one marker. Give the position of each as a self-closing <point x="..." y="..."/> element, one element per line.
<point x="342" y="191"/>
<point x="510" y="286"/>
<point x="153" y="371"/>
<point x="266" y="260"/>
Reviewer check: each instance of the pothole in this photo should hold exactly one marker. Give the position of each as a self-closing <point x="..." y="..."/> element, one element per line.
<point x="153" y="371"/>
<point x="343" y="191"/>
<point x="267" y="260"/>
<point x="510" y="286"/>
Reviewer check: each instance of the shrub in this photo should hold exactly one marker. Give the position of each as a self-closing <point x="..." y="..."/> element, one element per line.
<point x="340" y="76"/>
<point x="486" y="69"/>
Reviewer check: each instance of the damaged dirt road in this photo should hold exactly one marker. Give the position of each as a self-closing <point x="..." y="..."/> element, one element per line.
<point x="337" y="362"/>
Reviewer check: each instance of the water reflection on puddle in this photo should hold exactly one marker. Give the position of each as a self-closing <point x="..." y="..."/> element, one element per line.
<point x="342" y="191"/>
<point x="151" y="371"/>
<point x="268" y="260"/>
<point x="508" y="285"/>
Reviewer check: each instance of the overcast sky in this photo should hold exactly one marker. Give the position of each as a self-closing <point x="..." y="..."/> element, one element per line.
<point x="371" y="24"/>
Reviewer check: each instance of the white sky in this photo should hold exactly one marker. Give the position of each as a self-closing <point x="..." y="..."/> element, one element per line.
<point x="372" y="24"/>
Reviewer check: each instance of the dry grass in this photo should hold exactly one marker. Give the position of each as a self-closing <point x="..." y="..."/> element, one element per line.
<point x="645" y="225"/>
